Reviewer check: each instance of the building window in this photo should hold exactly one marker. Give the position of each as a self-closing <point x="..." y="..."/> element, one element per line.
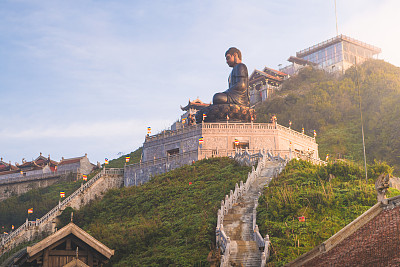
<point x="172" y="152"/>
<point x="242" y="145"/>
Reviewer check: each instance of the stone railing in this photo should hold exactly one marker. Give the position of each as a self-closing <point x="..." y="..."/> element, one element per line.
<point x="55" y="211"/>
<point x="247" y="159"/>
<point x="35" y="177"/>
<point x="229" y="126"/>
<point x="222" y="240"/>
<point x="299" y="155"/>
<point x="163" y="160"/>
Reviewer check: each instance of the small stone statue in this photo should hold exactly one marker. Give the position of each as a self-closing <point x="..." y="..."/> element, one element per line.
<point x="381" y="186"/>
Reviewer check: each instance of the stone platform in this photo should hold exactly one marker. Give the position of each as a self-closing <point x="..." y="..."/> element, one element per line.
<point x="226" y="112"/>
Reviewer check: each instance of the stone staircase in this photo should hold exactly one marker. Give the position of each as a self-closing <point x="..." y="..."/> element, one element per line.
<point x="238" y="223"/>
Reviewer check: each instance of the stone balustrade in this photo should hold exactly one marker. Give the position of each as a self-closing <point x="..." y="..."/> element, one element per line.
<point x="245" y="158"/>
<point x="222" y="240"/>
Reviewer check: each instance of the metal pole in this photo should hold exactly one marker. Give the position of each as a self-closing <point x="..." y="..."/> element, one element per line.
<point x="362" y="124"/>
<point x="337" y="31"/>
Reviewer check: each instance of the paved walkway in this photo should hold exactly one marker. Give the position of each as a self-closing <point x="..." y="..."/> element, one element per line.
<point x="238" y="223"/>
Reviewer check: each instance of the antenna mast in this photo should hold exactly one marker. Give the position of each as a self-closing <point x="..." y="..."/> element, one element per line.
<point x="337" y="31"/>
<point x="362" y="124"/>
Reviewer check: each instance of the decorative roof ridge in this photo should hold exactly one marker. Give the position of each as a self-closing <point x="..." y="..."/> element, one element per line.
<point x="266" y="75"/>
<point x="276" y="71"/>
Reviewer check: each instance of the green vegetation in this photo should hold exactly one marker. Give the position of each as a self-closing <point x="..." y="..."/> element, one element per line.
<point x="14" y="210"/>
<point x="135" y="157"/>
<point x="165" y="222"/>
<point x="329" y="197"/>
<point x="314" y="99"/>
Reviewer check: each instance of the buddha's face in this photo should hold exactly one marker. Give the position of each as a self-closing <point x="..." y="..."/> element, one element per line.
<point x="230" y="60"/>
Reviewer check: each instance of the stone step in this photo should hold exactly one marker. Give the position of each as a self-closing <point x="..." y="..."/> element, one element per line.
<point x="238" y="224"/>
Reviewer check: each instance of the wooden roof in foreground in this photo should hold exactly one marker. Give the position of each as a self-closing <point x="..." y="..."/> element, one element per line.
<point x="73" y="229"/>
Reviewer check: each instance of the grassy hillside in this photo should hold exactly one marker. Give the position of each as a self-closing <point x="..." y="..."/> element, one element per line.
<point x="317" y="100"/>
<point x="135" y="157"/>
<point x="329" y="197"/>
<point x="165" y="222"/>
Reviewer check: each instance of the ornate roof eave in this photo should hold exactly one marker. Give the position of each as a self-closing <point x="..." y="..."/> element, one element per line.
<point x="266" y="75"/>
<point x="192" y="104"/>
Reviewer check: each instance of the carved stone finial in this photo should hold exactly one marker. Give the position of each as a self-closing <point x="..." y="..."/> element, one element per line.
<point x="381" y="186"/>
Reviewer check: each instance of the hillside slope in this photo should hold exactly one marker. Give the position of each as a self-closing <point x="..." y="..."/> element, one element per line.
<point x="169" y="221"/>
<point x="329" y="197"/>
<point x="317" y="100"/>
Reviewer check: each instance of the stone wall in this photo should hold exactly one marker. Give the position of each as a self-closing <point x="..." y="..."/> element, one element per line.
<point x="219" y="140"/>
<point x="172" y="149"/>
<point x="20" y="185"/>
<point x="137" y="174"/>
<point x="97" y="190"/>
<point x="157" y="146"/>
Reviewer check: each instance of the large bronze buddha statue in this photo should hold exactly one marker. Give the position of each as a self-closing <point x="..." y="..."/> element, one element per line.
<point x="238" y="81"/>
<point x="234" y="103"/>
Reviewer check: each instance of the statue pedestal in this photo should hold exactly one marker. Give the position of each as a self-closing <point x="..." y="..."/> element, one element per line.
<point x="221" y="112"/>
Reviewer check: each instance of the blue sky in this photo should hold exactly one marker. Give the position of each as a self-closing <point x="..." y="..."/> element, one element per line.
<point x="89" y="76"/>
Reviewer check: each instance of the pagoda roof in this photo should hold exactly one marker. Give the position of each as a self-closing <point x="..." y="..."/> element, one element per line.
<point x="277" y="72"/>
<point x="4" y="166"/>
<point x="258" y="75"/>
<point x="195" y="104"/>
<point x="42" y="161"/>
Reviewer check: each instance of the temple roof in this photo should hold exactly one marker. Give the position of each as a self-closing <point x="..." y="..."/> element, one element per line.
<point x="43" y="161"/>
<point x="195" y="104"/>
<point x="73" y="229"/>
<point x="4" y="166"/>
<point x="275" y="73"/>
<point x="258" y="75"/>
<point x="370" y="240"/>
<point x="71" y="160"/>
